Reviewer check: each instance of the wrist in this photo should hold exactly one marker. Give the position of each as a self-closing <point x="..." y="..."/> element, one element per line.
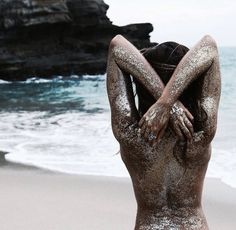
<point x="165" y="101"/>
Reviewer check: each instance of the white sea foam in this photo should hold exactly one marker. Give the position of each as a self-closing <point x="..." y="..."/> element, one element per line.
<point x="72" y="143"/>
<point x="4" y="82"/>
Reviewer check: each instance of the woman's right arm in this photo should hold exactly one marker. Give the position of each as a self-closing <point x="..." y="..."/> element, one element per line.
<point x="129" y="59"/>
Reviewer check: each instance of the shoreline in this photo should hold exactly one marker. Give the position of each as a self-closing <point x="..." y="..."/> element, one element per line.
<point x="33" y="198"/>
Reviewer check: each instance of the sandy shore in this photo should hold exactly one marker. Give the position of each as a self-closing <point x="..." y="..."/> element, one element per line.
<point x="38" y="200"/>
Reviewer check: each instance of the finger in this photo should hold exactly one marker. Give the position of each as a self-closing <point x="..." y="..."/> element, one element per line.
<point x="157" y="126"/>
<point x="178" y="132"/>
<point x="141" y="122"/>
<point x="152" y="142"/>
<point x="154" y="129"/>
<point x="143" y="129"/>
<point x="189" y="126"/>
<point x="147" y="132"/>
<point x="189" y="143"/>
<point x="189" y="115"/>
<point x="185" y="131"/>
<point x="153" y="132"/>
<point x="161" y="133"/>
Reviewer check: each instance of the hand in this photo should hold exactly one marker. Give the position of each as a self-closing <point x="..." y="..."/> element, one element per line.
<point x="181" y="121"/>
<point x="154" y="121"/>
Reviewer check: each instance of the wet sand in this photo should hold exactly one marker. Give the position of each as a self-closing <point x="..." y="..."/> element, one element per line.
<point x="36" y="199"/>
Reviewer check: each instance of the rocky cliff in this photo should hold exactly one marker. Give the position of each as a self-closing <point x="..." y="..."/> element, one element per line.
<point x="59" y="37"/>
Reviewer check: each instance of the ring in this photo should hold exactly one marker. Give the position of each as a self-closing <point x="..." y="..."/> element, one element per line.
<point x="151" y="137"/>
<point x="176" y="110"/>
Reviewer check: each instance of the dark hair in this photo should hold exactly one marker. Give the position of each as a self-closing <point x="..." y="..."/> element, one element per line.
<point x="163" y="58"/>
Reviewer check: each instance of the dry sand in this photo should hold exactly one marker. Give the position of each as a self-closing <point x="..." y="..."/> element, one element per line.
<point x="33" y="199"/>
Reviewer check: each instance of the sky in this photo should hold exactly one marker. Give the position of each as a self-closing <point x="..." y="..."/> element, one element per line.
<point x="183" y="21"/>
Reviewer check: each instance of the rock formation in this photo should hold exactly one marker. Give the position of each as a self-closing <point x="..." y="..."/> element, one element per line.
<point x="45" y="38"/>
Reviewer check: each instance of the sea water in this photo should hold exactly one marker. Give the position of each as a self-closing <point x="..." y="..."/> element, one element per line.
<point x="63" y="124"/>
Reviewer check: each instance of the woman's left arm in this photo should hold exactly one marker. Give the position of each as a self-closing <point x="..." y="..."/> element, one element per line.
<point x="197" y="61"/>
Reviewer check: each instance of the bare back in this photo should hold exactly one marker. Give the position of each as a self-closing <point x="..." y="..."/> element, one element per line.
<point x="159" y="177"/>
<point x="168" y="176"/>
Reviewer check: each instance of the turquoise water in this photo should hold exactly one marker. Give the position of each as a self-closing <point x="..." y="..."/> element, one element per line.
<point x="63" y="124"/>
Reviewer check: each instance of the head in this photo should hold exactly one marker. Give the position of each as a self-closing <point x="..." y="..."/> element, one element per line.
<point x="163" y="58"/>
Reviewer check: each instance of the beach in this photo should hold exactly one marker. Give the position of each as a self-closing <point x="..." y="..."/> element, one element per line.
<point x="32" y="198"/>
<point x="63" y="125"/>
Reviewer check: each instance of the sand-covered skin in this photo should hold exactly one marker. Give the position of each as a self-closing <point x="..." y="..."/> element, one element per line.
<point x="35" y="200"/>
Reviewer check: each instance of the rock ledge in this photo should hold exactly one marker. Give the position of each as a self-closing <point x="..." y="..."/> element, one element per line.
<point x="45" y="38"/>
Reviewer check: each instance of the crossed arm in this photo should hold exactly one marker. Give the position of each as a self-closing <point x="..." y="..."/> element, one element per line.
<point x="125" y="59"/>
<point x="201" y="61"/>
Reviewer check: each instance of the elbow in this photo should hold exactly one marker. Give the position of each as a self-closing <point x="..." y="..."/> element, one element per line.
<point x="209" y="41"/>
<point x="115" y="41"/>
<point x="209" y="50"/>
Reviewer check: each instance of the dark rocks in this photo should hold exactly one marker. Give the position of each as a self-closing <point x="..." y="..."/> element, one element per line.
<point x="45" y="38"/>
<point x="29" y="13"/>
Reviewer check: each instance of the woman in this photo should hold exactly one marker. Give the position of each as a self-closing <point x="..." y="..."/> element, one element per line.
<point x="165" y="143"/>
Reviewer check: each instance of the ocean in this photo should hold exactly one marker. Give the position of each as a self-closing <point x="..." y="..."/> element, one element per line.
<point x="63" y="124"/>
